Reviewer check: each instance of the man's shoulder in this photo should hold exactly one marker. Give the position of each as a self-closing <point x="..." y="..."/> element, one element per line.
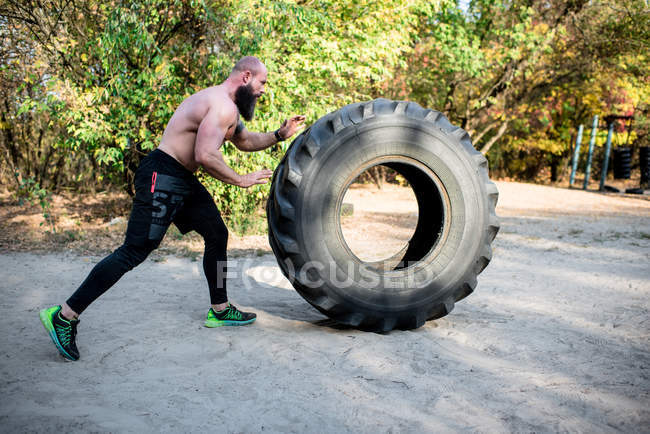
<point x="219" y="103"/>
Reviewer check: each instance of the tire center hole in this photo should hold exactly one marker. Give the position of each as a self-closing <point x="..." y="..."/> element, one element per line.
<point x="379" y="214"/>
<point x="398" y="224"/>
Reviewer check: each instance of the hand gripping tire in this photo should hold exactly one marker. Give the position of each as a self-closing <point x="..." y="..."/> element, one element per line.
<point x="456" y="219"/>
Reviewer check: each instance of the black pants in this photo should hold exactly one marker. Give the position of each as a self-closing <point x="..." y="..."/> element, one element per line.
<point x="165" y="192"/>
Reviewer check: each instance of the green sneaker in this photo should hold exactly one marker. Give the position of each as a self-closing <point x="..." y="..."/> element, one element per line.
<point x="62" y="331"/>
<point x="230" y="316"/>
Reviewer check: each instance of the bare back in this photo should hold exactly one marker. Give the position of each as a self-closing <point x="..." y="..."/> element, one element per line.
<point x="179" y="137"/>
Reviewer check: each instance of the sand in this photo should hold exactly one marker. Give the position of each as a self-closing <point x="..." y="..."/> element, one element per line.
<point x="555" y="338"/>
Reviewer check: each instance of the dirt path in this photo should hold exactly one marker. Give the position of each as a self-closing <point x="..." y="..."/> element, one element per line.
<point x="555" y="338"/>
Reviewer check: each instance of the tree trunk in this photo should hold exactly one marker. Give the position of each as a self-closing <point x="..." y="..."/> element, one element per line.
<point x="378" y="174"/>
<point x="54" y="180"/>
<point x="12" y="152"/>
<point x="485" y="149"/>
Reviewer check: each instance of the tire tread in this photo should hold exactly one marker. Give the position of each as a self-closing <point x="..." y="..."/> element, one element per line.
<point x="288" y="176"/>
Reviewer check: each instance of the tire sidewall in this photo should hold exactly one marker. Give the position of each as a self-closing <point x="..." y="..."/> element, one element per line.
<point x="318" y="229"/>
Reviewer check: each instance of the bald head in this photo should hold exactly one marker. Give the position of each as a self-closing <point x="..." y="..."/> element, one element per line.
<point x="247" y="81"/>
<point x="248" y="63"/>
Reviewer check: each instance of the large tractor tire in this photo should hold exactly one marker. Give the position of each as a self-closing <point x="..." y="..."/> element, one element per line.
<point x="456" y="218"/>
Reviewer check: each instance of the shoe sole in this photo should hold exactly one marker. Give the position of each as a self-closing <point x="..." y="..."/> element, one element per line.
<point x="214" y="324"/>
<point x="49" y="327"/>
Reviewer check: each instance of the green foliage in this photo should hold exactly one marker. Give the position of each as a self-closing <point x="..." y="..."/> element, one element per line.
<point x="320" y="56"/>
<point x="88" y="87"/>
<point x="29" y="190"/>
<point x="120" y="69"/>
<point x="136" y="73"/>
<point x="520" y="76"/>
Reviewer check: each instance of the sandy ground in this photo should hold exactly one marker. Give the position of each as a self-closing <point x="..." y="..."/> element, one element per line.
<point x="555" y="338"/>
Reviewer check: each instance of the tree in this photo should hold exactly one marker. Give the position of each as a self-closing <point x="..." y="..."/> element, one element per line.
<point x="523" y="74"/>
<point x="120" y="68"/>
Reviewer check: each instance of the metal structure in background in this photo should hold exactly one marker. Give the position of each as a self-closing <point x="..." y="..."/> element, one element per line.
<point x="608" y="148"/>
<point x="609" y="121"/>
<point x="644" y="164"/>
<point x="622" y="159"/>
<point x="590" y="153"/>
<point x="608" y="145"/>
<point x="576" y="154"/>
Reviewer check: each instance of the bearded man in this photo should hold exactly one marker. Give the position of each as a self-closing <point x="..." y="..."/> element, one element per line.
<point x="168" y="192"/>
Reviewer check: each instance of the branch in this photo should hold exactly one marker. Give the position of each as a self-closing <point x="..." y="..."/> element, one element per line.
<point x="450" y="97"/>
<point x="485" y="149"/>
<point x="485" y="131"/>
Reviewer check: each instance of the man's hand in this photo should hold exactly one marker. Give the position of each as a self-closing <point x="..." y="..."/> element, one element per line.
<point x="259" y="177"/>
<point x="290" y="126"/>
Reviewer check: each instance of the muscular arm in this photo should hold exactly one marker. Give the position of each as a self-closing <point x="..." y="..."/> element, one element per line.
<point x="249" y="141"/>
<point x="208" y="154"/>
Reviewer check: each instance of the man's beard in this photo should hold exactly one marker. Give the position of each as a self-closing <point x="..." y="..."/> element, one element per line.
<point x="245" y="100"/>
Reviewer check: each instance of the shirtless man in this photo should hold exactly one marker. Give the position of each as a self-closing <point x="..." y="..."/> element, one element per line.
<point x="168" y="192"/>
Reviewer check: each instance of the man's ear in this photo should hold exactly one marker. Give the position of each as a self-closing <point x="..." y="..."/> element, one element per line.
<point x="246" y="76"/>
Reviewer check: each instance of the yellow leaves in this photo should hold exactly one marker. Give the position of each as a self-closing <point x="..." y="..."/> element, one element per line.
<point x="84" y="58"/>
<point x="160" y="67"/>
<point x="539" y="142"/>
<point x="552" y="146"/>
<point x="541" y="28"/>
<point x="591" y="100"/>
<point x="122" y="142"/>
<point x="4" y="125"/>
